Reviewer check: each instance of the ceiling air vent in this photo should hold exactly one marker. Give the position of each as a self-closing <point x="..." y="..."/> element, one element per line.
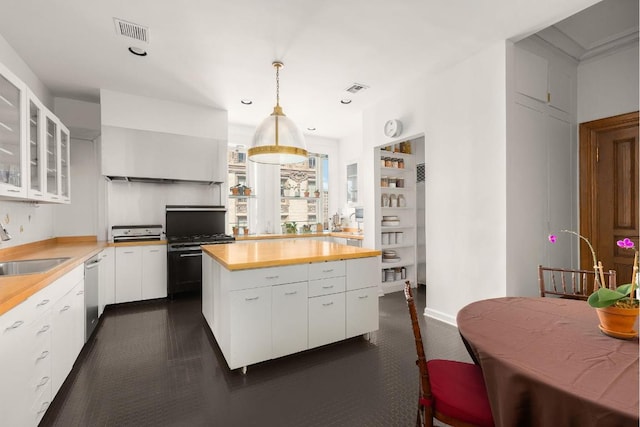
<point x="134" y="31"/>
<point x="356" y="87"/>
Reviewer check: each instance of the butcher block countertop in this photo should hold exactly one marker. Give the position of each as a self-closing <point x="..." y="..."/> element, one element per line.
<point x="16" y="289"/>
<point x="267" y="253"/>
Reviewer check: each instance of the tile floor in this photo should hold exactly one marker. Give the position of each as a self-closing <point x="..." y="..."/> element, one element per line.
<point x="155" y="364"/>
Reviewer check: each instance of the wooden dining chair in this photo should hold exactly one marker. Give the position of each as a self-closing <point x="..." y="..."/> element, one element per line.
<point x="450" y="391"/>
<point x="572" y="284"/>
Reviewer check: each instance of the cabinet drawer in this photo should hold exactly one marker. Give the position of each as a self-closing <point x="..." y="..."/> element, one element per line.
<point x="326" y="319"/>
<point x="246" y="279"/>
<point x="322" y="270"/>
<point x="40" y="404"/>
<point x="362" y="311"/>
<point x="326" y="286"/>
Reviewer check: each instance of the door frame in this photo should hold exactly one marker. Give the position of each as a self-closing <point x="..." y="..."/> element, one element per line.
<point x="588" y="152"/>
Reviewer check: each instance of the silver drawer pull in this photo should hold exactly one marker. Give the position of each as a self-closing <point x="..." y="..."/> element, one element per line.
<point x="291" y="293"/>
<point x="43" y="408"/>
<point x="327" y="304"/>
<point x="43" y="302"/>
<point x="43" y="355"/>
<point x="327" y="271"/>
<point x="65" y="308"/>
<point x="271" y="277"/>
<point x="127" y="252"/>
<point x="363" y="296"/>
<point x="251" y="299"/>
<point x="155" y="250"/>
<point x="15" y="325"/>
<point x="44" y="329"/>
<point x="43" y="381"/>
<point x="327" y="287"/>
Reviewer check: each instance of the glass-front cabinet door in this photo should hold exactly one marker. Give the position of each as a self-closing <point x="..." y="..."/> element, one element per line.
<point x="35" y="148"/>
<point x="65" y="185"/>
<point x="12" y="148"/>
<point x="51" y="158"/>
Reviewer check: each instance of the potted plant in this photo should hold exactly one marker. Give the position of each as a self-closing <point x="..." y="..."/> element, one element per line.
<point x="617" y="308"/>
<point x="247" y="191"/>
<point x="290" y="227"/>
<point x="316" y="193"/>
<point x="235" y="190"/>
<point x="306" y="193"/>
<point x="306" y="228"/>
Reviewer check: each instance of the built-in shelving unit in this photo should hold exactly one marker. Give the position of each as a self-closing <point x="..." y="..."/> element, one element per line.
<point x="395" y="214"/>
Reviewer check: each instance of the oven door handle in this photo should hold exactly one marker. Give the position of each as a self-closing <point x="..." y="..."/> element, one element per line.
<point x="186" y="255"/>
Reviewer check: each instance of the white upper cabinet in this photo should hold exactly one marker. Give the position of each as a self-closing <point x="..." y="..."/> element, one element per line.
<point x="64" y="168"/>
<point x="13" y="182"/>
<point x="542" y="81"/>
<point x="34" y="146"/>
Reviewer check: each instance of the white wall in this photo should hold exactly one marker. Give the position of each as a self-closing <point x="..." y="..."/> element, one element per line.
<point x="461" y="112"/>
<point x="608" y="85"/>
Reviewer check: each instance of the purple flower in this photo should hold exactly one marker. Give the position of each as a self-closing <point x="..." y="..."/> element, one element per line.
<point x="553" y="238"/>
<point x="625" y="243"/>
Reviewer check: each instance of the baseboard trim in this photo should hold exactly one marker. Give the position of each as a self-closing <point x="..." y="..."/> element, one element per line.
<point x="443" y="317"/>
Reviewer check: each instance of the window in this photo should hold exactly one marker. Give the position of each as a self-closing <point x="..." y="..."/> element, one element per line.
<point x="302" y="197"/>
<point x="237" y="209"/>
<point x="304" y="192"/>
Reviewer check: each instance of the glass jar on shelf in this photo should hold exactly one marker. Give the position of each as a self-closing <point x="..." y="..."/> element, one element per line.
<point x="392" y="182"/>
<point x="400" y="182"/>
<point x="384" y="181"/>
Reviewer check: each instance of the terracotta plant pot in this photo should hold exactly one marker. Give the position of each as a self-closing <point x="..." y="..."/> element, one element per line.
<point x="247" y="191"/>
<point x="306" y="194"/>
<point x="618" y="322"/>
<point x="317" y="194"/>
<point x="235" y="230"/>
<point x="234" y="191"/>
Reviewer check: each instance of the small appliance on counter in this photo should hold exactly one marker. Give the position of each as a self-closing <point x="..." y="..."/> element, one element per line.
<point x="136" y="233"/>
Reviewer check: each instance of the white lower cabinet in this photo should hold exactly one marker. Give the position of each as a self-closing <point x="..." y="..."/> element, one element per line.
<point x="264" y="313"/>
<point x="154" y="271"/>
<point x="289" y="315"/>
<point x="128" y="274"/>
<point x="140" y="273"/>
<point x="107" y="280"/>
<point x="326" y="319"/>
<point x="250" y="316"/>
<point x="362" y="311"/>
<point x="39" y="342"/>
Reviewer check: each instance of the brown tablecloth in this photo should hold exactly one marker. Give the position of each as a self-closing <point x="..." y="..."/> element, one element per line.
<point x="546" y="363"/>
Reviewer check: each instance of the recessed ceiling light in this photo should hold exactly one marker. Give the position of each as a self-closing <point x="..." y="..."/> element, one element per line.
<point x="246" y="101"/>
<point x="311" y="129"/>
<point x="345" y="101"/>
<point x="137" y="51"/>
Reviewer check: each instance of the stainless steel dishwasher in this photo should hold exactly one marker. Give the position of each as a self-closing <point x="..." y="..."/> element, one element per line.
<point x="91" y="292"/>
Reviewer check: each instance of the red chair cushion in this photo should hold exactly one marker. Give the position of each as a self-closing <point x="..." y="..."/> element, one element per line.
<point x="458" y="391"/>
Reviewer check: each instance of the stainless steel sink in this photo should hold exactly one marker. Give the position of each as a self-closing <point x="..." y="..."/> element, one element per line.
<point x="29" y="266"/>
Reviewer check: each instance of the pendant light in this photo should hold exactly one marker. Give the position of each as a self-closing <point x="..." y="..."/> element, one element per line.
<point x="277" y="140"/>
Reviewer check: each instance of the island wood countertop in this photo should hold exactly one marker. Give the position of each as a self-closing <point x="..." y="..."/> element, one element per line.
<point x="16" y="289"/>
<point x="276" y="253"/>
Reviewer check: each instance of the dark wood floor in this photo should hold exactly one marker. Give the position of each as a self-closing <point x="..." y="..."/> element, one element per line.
<point x="156" y="364"/>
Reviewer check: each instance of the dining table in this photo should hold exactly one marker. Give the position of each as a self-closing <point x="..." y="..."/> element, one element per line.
<point x="546" y="363"/>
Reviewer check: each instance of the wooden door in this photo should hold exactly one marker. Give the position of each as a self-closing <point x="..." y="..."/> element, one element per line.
<point x="609" y="186"/>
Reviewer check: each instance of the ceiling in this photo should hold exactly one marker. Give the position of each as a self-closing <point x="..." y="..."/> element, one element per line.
<point x="215" y="53"/>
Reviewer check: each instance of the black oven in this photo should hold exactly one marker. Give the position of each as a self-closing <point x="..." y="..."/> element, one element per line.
<point x="188" y="227"/>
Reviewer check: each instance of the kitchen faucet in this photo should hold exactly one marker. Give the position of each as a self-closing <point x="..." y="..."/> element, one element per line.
<point x="4" y="234"/>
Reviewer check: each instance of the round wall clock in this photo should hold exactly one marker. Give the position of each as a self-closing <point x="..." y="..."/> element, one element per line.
<point x="393" y="128"/>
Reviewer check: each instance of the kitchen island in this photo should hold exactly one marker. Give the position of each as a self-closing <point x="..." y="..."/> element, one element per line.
<point x="268" y="299"/>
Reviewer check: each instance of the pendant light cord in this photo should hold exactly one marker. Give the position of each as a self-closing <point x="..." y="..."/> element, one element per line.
<point x="278" y="84"/>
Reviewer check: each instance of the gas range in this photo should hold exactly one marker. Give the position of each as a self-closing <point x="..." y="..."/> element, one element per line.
<point x="190" y="243"/>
